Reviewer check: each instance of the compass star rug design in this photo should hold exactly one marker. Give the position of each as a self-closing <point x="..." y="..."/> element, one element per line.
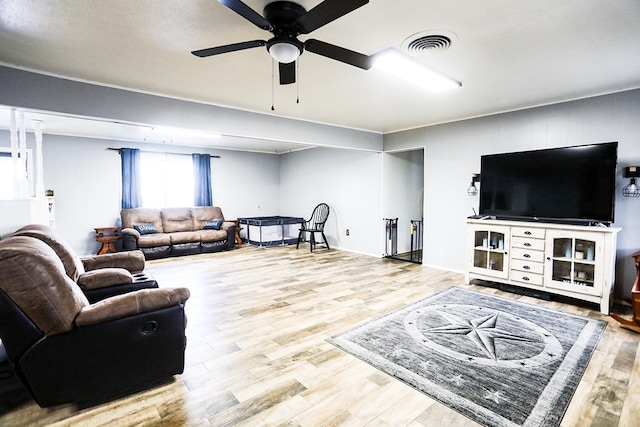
<point x="497" y="361"/>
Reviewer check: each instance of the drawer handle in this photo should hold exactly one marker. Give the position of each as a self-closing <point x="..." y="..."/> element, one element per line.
<point x="528" y="233"/>
<point x="526" y="267"/>
<point x="526" y="256"/>
<point x="527" y="244"/>
<point x="525" y="278"/>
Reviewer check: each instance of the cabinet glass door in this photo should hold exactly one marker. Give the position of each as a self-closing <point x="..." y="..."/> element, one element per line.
<point x="489" y="256"/>
<point x="573" y="264"/>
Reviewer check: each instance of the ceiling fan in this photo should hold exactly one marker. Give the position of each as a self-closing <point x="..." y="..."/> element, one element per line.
<point x="286" y="21"/>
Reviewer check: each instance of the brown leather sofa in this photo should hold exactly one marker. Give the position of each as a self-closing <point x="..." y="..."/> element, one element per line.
<point x="160" y="233"/>
<point x="65" y="349"/>
<point x="99" y="276"/>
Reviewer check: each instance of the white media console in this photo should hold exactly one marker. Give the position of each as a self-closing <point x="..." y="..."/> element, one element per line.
<point x="570" y="260"/>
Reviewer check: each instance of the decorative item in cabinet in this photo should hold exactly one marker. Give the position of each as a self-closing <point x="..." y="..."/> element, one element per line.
<point x="573" y="264"/>
<point x="489" y="247"/>
<point x="488" y="256"/>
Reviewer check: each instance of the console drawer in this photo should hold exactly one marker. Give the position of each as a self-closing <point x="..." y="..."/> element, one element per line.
<point x="527" y="243"/>
<point x="525" y="277"/>
<point x="536" y="233"/>
<point x="527" y="266"/>
<point x="527" y="254"/>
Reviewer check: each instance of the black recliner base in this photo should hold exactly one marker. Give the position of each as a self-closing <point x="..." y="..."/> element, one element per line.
<point x="98" y="362"/>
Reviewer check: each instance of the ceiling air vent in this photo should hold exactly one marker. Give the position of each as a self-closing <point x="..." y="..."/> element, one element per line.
<point x="428" y="42"/>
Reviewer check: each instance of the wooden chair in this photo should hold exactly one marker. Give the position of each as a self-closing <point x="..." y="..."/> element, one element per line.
<point x="314" y="225"/>
<point x="634" y="324"/>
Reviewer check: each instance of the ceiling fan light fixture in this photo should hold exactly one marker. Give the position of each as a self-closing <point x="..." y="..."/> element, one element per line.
<point x="284" y="50"/>
<point x="400" y="65"/>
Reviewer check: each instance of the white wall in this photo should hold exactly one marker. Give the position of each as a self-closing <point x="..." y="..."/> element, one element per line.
<point x="85" y="177"/>
<point x="350" y="182"/>
<point x="453" y="152"/>
<point x="246" y="184"/>
<point x="403" y="191"/>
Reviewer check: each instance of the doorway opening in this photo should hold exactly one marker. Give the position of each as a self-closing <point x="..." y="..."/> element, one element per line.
<point x="403" y="204"/>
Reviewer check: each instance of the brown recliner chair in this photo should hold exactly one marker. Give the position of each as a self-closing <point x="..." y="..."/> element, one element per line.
<point x="99" y="276"/>
<point x="67" y="350"/>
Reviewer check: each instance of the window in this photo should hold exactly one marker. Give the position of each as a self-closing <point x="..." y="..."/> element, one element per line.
<point x="6" y="174"/>
<point x="166" y="180"/>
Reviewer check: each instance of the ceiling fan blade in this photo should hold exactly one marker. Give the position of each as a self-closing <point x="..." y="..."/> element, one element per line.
<point x="287" y="73"/>
<point x="339" y="53"/>
<point x="203" y="53"/>
<point x="325" y="12"/>
<point x="247" y="13"/>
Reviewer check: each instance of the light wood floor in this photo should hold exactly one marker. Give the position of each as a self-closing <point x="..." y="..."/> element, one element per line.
<point x="257" y="355"/>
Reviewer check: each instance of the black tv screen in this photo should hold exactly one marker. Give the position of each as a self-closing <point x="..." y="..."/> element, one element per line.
<point x="569" y="184"/>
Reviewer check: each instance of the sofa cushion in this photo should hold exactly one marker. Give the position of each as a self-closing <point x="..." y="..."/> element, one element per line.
<point x="202" y="214"/>
<point x="212" y="224"/>
<point x="177" y="219"/>
<point x="190" y="248"/>
<point x="184" y="237"/>
<point x="155" y="252"/>
<point x="33" y="276"/>
<point x="227" y="225"/>
<point x="212" y="235"/>
<point x="148" y="228"/>
<point x="132" y="303"/>
<point x="133" y="261"/>
<point x="105" y="277"/>
<point x="140" y="216"/>
<point x="151" y="240"/>
<point x="215" y="246"/>
<point x="72" y="264"/>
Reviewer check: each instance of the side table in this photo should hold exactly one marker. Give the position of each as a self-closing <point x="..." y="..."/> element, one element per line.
<point x="107" y="236"/>
<point x="238" y="229"/>
<point x="634" y="324"/>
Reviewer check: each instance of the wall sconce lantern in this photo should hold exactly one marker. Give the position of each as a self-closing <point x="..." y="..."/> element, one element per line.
<point x="632" y="189"/>
<point x="473" y="190"/>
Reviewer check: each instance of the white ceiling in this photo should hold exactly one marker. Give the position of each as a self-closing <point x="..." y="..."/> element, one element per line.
<point x="508" y="55"/>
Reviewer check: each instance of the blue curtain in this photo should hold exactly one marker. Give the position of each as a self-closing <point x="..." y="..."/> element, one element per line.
<point x="131" y="196"/>
<point x="202" y="179"/>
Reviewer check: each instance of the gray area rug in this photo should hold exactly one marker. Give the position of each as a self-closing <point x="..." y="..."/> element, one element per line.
<point x="497" y="361"/>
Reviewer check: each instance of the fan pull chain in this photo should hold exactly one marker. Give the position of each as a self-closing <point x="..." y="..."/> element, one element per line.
<point x="298" y="82"/>
<point x="273" y="73"/>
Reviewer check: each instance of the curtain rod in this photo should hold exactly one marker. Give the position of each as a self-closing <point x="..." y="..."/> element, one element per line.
<point x="162" y="152"/>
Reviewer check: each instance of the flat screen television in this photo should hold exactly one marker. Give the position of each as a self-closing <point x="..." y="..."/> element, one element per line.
<point x="574" y="185"/>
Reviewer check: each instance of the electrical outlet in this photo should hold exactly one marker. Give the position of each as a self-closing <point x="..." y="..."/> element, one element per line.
<point x="347" y="232"/>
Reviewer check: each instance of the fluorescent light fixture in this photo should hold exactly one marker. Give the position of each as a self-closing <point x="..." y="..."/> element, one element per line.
<point x="161" y="130"/>
<point x="400" y="65"/>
